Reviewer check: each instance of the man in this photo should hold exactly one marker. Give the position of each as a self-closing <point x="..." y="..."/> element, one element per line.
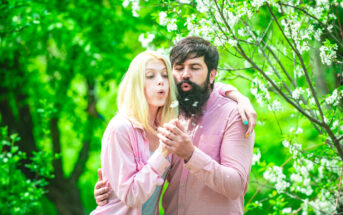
<point x="212" y="152"/>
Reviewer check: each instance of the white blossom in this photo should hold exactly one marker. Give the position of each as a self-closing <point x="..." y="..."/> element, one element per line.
<point x="185" y="1"/>
<point x="256" y="157"/>
<point x="281" y="185"/>
<point x="298" y="72"/>
<point x="247" y="64"/>
<point x="257" y="3"/>
<point x="323" y="204"/>
<point x="285" y="143"/>
<point x="241" y="32"/>
<point x="232" y="42"/>
<point x="275" y="175"/>
<point x="296" y="178"/>
<point x="317" y="34"/>
<point x="333" y="98"/>
<point x="322" y="2"/>
<point x="162" y="18"/>
<point x="312" y="101"/>
<point x="287" y="210"/>
<point x="135" y="8"/>
<point x="309" y="164"/>
<point x="171" y="26"/>
<point x="297" y="92"/>
<point x="306" y="190"/>
<point x="189" y="23"/>
<point x="276" y="106"/>
<point x="201" y="6"/>
<point x="327" y="54"/>
<point x="146" y="40"/>
<point x="299" y="131"/>
<point x="335" y="124"/>
<point x="126" y="3"/>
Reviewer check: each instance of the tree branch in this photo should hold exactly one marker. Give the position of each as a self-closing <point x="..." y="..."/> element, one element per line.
<point x="301" y="62"/>
<point x="338" y="191"/>
<point x="81" y="161"/>
<point x="56" y="146"/>
<point x="242" y="52"/>
<point x="313" y="17"/>
<point x="92" y="114"/>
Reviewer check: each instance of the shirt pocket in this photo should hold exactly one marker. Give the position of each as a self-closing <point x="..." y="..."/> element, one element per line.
<point x="210" y="144"/>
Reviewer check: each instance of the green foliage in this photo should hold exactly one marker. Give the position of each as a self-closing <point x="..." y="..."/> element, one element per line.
<point x="20" y="195"/>
<point x="61" y="62"/>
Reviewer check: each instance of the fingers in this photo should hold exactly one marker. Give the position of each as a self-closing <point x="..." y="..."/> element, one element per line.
<point x="167" y="133"/>
<point x="252" y="122"/>
<point x="100" y="184"/>
<point x="165" y="140"/>
<point x="102" y="199"/>
<point x="243" y="116"/>
<point x="179" y="126"/>
<point x="174" y="128"/>
<point x="101" y="194"/>
<point x="102" y="203"/>
<point x="98" y="193"/>
<point x="100" y="174"/>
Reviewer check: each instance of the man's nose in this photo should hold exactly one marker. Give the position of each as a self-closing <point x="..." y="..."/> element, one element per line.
<point x="186" y="74"/>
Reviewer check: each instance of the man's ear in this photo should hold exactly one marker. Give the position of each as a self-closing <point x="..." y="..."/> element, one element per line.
<point x="213" y="74"/>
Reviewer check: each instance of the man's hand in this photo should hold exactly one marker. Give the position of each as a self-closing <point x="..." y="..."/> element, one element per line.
<point x="245" y="109"/>
<point x="101" y="191"/>
<point x="176" y="140"/>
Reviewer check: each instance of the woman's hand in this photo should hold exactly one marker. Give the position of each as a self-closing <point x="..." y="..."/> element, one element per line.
<point x="101" y="191"/>
<point x="245" y="109"/>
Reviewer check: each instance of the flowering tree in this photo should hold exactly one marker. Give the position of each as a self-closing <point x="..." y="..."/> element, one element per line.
<point x="286" y="49"/>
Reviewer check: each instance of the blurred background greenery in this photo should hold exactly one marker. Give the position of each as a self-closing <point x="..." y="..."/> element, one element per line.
<point x="60" y="66"/>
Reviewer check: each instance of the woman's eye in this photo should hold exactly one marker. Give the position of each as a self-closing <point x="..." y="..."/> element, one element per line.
<point x="149" y="76"/>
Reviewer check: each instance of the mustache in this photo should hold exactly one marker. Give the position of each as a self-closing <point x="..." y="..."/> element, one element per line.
<point x="186" y="81"/>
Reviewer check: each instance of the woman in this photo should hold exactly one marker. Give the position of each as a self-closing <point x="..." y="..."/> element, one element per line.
<point x="128" y="159"/>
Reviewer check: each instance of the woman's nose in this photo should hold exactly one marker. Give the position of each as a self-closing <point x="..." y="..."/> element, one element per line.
<point x="160" y="80"/>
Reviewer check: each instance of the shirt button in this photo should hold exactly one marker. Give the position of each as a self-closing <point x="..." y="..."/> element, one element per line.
<point x="180" y="206"/>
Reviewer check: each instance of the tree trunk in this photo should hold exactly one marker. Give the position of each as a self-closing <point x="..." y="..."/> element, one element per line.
<point x="66" y="197"/>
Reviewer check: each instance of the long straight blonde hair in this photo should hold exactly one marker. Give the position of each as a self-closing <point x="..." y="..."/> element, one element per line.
<point x="131" y="98"/>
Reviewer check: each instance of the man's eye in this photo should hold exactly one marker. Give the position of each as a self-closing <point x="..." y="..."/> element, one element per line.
<point x="195" y="68"/>
<point x="178" y="68"/>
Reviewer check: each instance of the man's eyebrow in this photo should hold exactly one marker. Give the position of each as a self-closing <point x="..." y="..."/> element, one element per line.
<point x="195" y="64"/>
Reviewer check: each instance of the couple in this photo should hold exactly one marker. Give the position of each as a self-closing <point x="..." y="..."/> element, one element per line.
<point x="204" y="152"/>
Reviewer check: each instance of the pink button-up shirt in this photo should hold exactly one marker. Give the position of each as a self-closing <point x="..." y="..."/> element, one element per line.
<point x="215" y="179"/>
<point x="125" y="161"/>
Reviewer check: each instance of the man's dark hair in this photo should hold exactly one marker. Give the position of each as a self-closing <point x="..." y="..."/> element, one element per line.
<point x="192" y="47"/>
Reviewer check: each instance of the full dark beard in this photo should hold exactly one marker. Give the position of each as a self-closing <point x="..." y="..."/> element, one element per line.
<point x="191" y="102"/>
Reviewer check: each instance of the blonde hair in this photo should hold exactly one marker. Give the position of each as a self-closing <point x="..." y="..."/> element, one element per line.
<point x="131" y="98"/>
